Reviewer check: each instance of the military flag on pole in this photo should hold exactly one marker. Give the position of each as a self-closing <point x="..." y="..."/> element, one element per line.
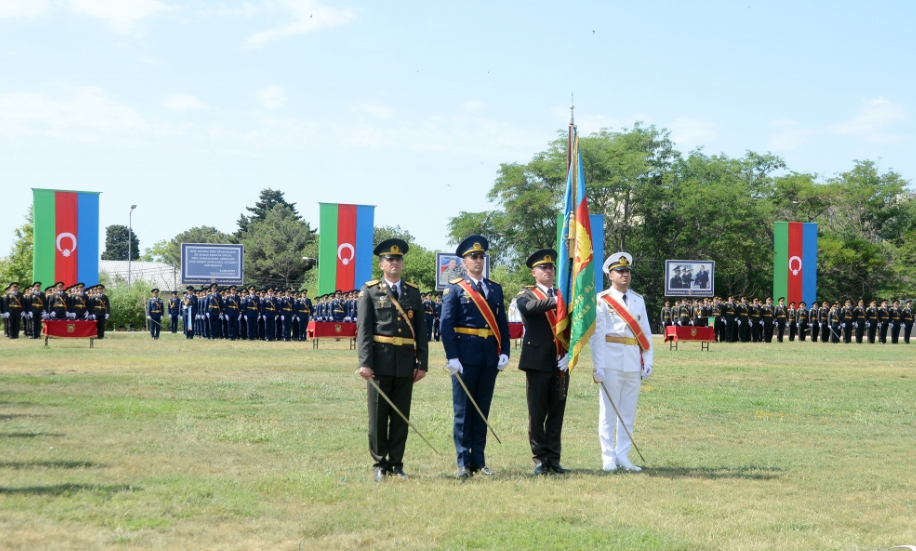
<point x="577" y="301"/>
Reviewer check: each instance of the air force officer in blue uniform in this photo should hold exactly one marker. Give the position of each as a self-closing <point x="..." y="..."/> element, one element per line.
<point x="472" y="351"/>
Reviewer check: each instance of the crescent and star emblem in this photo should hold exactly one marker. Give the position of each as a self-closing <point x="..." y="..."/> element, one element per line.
<point x="795" y="270"/>
<point x="343" y="247"/>
<point x="61" y="237"/>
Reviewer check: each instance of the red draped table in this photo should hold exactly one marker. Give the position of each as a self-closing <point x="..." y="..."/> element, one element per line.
<point x="64" y="329"/>
<point x="336" y="329"/>
<point x="674" y="334"/>
<point x="516" y="332"/>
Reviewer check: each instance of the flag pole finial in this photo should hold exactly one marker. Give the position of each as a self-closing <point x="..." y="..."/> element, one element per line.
<point x="572" y="107"/>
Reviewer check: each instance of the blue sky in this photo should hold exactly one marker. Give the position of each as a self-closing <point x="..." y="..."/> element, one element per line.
<point x="189" y="109"/>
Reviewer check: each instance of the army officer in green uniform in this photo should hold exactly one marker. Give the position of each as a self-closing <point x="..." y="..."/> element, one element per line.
<point x="392" y="349"/>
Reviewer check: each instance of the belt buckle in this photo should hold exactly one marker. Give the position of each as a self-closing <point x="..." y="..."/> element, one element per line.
<point x="483" y="333"/>
<point x="397" y="341"/>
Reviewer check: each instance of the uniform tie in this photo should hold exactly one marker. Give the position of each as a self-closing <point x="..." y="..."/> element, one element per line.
<point x="394" y="292"/>
<point x="625" y="300"/>
<point x="550" y="292"/>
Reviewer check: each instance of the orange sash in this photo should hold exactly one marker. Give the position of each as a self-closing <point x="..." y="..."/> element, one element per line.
<point x="552" y="318"/>
<point x="485" y="310"/>
<point x="631" y="323"/>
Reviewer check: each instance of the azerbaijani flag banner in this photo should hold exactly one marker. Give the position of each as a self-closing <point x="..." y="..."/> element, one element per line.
<point x="345" y="234"/>
<point x="795" y="262"/>
<point x="577" y="301"/>
<point x="66" y="237"/>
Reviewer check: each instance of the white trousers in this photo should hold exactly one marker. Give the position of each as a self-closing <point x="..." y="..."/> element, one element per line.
<point x="624" y="389"/>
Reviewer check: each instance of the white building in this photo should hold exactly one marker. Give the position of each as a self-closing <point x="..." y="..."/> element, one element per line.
<point x="163" y="276"/>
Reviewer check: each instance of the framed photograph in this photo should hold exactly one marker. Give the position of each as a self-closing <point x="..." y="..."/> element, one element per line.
<point x="449" y="266"/>
<point x="690" y="278"/>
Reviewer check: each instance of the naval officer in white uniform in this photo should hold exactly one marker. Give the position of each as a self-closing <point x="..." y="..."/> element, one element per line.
<point x="622" y="358"/>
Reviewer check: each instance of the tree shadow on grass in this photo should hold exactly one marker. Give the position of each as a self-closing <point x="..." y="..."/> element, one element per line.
<point x="19" y="465"/>
<point x="28" y="434"/>
<point x="63" y="490"/>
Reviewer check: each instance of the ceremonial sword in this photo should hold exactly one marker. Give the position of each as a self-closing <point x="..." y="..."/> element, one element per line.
<point x="622" y="422"/>
<point x="471" y="398"/>
<point x="404" y="417"/>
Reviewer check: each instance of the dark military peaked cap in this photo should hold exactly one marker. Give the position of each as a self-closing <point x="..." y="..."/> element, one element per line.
<point x="155" y="290"/>
<point x="391" y="248"/>
<point x="541" y="258"/>
<point x="473" y="244"/>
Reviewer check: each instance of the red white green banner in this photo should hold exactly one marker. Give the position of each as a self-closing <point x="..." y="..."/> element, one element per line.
<point x="66" y="237"/>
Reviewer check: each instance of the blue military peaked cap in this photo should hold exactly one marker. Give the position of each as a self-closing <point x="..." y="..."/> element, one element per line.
<point x="472" y="244"/>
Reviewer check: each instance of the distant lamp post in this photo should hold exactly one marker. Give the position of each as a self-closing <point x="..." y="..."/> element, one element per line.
<point x="130" y="232"/>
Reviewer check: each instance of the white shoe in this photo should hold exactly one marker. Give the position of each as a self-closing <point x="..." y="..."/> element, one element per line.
<point x="627" y="466"/>
<point x="610" y="467"/>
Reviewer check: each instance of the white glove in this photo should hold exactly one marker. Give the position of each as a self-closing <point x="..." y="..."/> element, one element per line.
<point x="879" y="324"/>
<point x="761" y="322"/>
<point x="31" y="315"/>
<point x="44" y="315"/>
<point x="739" y="322"/>
<point x="503" y="362"/>
<point x="646" y="371"/>
<point x="691" y="322"/>
<point x="53" y="315"/>
<point x="454" y="366"/>
<point x="855" y="324"/>
<point x="25" y="315"/>
<point x="106" y="316"/>
<point x="563" y="362"/>
<point x="222" y="316"/>
<point x="259" y="318"/>
<point x="820" y="324"/>
<point x="92" y="317"/>
<point x="149" y="318"/>
<point x="599" y="375"/>
<point x="890" y="325"/>
<point x="5" y="315"/>
<point x="843" y="324"/>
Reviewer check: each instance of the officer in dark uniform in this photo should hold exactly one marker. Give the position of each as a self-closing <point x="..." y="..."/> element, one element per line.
<point x="780" y="319"/>
<point x="846" y="320"/>
<point x="768" y="315"/>
<point x="393" y="350"/>
<point x="12" y="310"/>
<point x="717" y="312"/>
<point x="871" y="321"/>
<point x="884" y="319"/>
<point x="174" y="311"/>
<point x="305" y="314"/>
<point x="476" y="340"/>
<point x="37" y="309"/>
<point x="269" y="315"/>
<point x="792" y="321"/>
<point x="675" y="281"/>
<point x="906" y="318"/>
<point x="232" y="306"/>
<point x="154" y="310"/>
<point x="189" y="311"/>
<point x="814" y="321"/>
<point x="428" y="314"/>
<point x="755" y="321"/>
<point x="58" y="304"/>
<point x="834" y="320"/>
<point x="858" y="321"/>
<point x="101" y="310"/>
<point x="801" y="318"/>
<point x="338" y="308"/>
<point x="683" y="313"/>
<point x="895" y="315"/>
<point x="437" y="316"/>
<point x="666" y="316"/>
<point x="729" y="318"/>
<point x="823" y="315"/>
<point x="545" y="364"/>
<point x="252" y="311"/>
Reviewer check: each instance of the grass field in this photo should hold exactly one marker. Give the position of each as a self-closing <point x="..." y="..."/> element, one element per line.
<point x="214" y="445"/>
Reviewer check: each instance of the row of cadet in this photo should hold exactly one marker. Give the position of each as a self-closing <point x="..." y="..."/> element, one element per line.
<point x="257" y="314"/>
<point x="23" y="310"/>
<point x="760" y="321"/>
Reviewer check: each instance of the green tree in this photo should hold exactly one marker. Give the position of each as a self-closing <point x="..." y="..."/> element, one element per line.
<point x="269" y="198"/>
<point x="419" y="263"/>
<point x="116" y="243"/>
<point x="171" y="253"/>
<point x="18" y="265"/>
<point x="276" y="245"/>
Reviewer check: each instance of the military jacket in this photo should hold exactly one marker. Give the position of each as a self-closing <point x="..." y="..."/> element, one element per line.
<point x="377" y="316"/>
<point x="459" y="310"/>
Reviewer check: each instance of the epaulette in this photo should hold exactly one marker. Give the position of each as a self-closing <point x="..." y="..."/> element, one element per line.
<point x="409" y="284"/>
<point x="606" y="291"/>
<point x="373" y="282"/>
<point x="493" y="282"/>
<point x="456" y="281"/>
<point x="635" y="293"/>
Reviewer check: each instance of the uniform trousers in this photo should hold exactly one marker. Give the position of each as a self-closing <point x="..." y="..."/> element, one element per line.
<point x="173" y="323"/>
<point x="270" y="326"/>
<point x="470" y="431"/>
<point x="387" y="431"/>
<point x="100" y="325"/>
<point x="286" y="326"/>
<point x="429" y="328"/>
<point x="872" y="331"/>
<point x="252" y="323"/>
<point x="545" y="413"/>
<point x="815" y="330"/>
<point x="780" y="330"/>
<point x="623" y="386"/>
<point x="14" y="324"/>
<point x="802" y="330"/>
<point x="216" y="325"/>
<point x="303" y="327"/>
<point x="882" y="333"/>
<point x="860" y="331"/>
<point x="907" y="329"/>
<point x="895" y="332"/>
<point x="825" y="332"/>
<point x="232" y="324"/>
<point x="155" y="325"/>
<point x="768" y="332"/>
